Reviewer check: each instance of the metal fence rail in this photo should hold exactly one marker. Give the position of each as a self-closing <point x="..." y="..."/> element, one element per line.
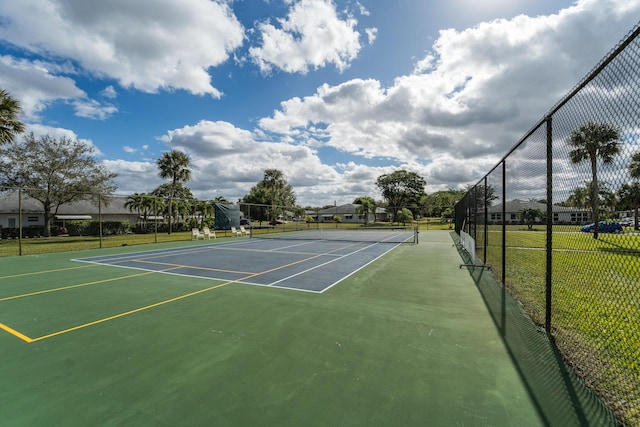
<point x="578" y="165"/>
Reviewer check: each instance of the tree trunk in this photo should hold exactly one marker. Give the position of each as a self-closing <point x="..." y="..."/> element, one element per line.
<point x="47" y="220"/>
<point x="595" y="197"/>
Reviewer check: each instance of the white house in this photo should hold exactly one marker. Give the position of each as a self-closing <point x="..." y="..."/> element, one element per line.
<point x="33" y="213"/>
<point x="561" y="214"/>
<point x="348" y="214"/>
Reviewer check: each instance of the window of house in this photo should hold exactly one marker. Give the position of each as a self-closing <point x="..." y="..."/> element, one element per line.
<point x="32" y="219"/>
<point x="348" y="216"/>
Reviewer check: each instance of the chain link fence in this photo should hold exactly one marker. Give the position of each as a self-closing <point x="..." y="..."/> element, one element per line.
<point x="73" y="221"/>
<point x="557" y="222"/>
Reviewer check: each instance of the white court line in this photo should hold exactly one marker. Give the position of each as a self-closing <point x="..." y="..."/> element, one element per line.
<point x="162" y="252"/>
<point x="331" y="261"/>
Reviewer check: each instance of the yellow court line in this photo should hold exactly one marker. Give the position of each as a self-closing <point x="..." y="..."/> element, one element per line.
<point x="46" y="271"/>
<point x="193" y="267"/>
<point x="74" y="286"/>
<point x="137" y="310"/>
<point x="106" y="319"/>
<point x="15" y="333"/>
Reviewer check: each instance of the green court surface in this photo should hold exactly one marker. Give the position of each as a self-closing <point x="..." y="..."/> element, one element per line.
<point x="408" y="340"/>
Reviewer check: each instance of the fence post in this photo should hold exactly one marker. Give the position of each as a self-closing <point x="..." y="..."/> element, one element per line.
<point x="486" y="222"/>
<point x="100" y="218"/>
<point x="504" y="223"/>
<point x="20" y="221"/>
<point x="549" y="243"/>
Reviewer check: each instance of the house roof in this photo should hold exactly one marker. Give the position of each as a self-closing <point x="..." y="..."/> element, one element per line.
<point x="516" y="205"/>
<point x="115" y="206"/>
<point x="349" y="208"/>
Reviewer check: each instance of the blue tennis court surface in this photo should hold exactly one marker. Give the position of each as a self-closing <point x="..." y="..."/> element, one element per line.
<point x="312" y="266"/>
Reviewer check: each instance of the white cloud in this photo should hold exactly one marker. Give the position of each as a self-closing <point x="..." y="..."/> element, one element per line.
<point x="92" y="109"/>
<point x="37" y="88"/>
<point x="128" y="149"/>
<point x="228" y="161"/>
<point x="311" y="36"/>
<point x="39" y="130"/>
<point x="469" y="100"/>
<point x="109" y="92"/>
<point x="134" y="177"/>
<point x="372" y="33"/>
<point x="145" y="44"/>
<point x="34" y="86"/>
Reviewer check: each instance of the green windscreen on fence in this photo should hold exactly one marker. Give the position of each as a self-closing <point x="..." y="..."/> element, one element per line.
<point x="226" y="216"/>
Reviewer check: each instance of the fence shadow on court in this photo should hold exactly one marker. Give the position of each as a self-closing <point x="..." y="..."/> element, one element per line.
<point x="559" y="396"/>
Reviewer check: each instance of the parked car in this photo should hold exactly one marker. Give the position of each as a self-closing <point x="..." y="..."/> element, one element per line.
<point x="245" y="222"/>
<point x="603" y="227"/>
<point x="277" y="222"/>
<point x="627" y="222"/>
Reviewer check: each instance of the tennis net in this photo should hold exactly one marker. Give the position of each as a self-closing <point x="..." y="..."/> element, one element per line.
<point x="385" y="234"/>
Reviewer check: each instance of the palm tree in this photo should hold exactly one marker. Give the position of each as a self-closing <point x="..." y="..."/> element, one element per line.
<point x="592" y="142"/>
<point x="579" y="198"/>
<point x="173" y="165"/>
<point x="135" y="203"/>
<point x="153" y="205"/>
<point x="201" y="210"/>
<point x="366" y="207"/>
<point x="634" y="166"/>
<point x="9" y="124"/>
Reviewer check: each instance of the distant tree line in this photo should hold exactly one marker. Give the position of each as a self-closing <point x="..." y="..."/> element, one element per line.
<point x="59" y="171"/>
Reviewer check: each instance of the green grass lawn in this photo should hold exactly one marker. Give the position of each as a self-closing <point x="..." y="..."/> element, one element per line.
<point x="596" y="303"/>
<point x="42" y="245"/>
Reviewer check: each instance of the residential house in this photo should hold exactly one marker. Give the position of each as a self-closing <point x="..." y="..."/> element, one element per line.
<point x="561" y="214"/>
<point x="348" y="214"/>
<point x="33" y="213"/>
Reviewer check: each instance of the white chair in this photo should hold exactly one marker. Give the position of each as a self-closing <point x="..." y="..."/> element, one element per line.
<point x="196" y="234"/>
<point x="208" y="233"/>
<point x="243" y="231"/>
<point x="236" y="232"/>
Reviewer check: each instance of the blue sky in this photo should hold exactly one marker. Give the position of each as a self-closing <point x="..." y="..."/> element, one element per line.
<point x="333" y="93"/>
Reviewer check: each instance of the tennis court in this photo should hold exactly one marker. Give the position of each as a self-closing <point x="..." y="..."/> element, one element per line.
<point x="308" y="260"/>
<point x="218" y="333"/>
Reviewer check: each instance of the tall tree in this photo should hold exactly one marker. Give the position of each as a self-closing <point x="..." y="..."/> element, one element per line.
<point x="54" y="172"/>
<point x="174" y="166"/>
<point x="272" y="195"/>
<point x="634" y="171"/>
<point x="274" y="183"/>
<point x="10" y="126"/>
<point x="437" y="203"/>
<point x="634" y="166"/>
<point x="629" y="195"/>
<point x="594" y="142"/>
<point x="401" y="189"/>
